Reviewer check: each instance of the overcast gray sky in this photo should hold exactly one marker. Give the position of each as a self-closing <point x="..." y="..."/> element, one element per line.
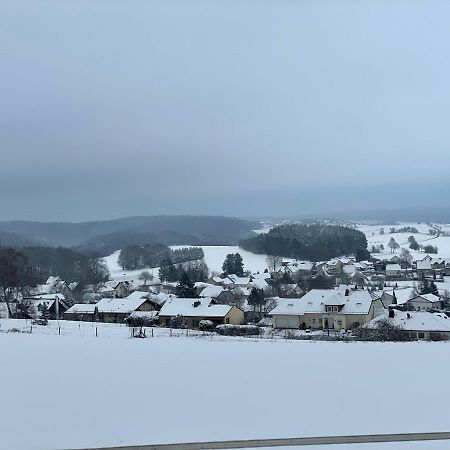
<point x="114" y="108"/>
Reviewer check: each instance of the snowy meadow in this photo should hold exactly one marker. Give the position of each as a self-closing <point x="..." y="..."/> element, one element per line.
<point x="113" y="390"/>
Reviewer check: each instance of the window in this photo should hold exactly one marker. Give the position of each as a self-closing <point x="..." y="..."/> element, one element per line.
<point x="335" y="308"/>
<point x="228" y="320"/>
<point x="329" y="308"/>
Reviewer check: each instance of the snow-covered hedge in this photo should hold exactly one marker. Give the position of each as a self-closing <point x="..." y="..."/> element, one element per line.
<point x="238" y="330"/>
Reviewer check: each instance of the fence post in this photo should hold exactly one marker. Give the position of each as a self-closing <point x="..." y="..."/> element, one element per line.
<point x="170" y="332"/>
<point x="152" y="332"/>
<point x="31" y="329"/>
<point x="59" y="331"/>
<point x="187" y="331"/>
<point x="96" y="332"/>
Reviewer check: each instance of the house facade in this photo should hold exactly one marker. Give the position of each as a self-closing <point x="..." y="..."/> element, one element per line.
<point x="194" y="310"/>
<point x="328" y="309"/>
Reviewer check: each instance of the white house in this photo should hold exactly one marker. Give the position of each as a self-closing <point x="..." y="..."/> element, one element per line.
<point x="393" y="270"/>
<point x="420" y="325"/>
<point x="425" y="302"/>
<point x="328" y="309"/>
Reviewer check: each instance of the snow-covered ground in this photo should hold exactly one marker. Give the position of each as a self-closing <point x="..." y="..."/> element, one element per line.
<point x="374" y="237"/>
<point x="215" y="256"/>
<point x="76" y="390"/>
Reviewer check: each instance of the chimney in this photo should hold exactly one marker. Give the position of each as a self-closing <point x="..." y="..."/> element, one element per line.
<point x="196" y="303"/>
<point x="391" y="313"/>
<point x="347" y="292"/>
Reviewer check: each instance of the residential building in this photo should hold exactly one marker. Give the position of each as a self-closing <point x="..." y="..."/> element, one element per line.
<point x="196" y="309"/>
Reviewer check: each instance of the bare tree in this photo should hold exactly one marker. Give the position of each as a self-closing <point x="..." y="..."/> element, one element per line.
<point x="146" y="276"/>
<point x="273" y="262"/>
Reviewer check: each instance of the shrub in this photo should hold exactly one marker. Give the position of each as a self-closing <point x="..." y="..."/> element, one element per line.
<point x="238" y="330"/>
<point x="206" y="325"/>
<point x="178" y="322"/>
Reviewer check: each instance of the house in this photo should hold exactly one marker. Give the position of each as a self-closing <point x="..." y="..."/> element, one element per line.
<point x="55" y="304"/>
<point x="196" y="309"/>
<point x="328" y="309"/>
<point x="397" y="296"/>
<point x="419" y="325"/>
<point x="122" y="289"/>
<point x="118" y="309"/>
<point x="81" y="311"/>
<point x="424" y="268"/>
<point x="218" y="293"/>
<point x="425" y="302"/>
<point x="394" y="270"/>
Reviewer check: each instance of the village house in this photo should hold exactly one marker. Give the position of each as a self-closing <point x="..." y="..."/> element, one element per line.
<point x="55" y="304"/>
<point x="327" y="309"/>
<point x="114" y="310"/>
<point x="81" y="311"/>
<point x="425" y="302"/>
<point x="193" y="310"/>
<point x="394" y="270"/>
<point x="418" y="325"/>
<point x="218" y="293"/>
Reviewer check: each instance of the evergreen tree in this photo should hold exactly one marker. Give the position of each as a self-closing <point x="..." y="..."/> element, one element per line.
<point x="186" y="288"/>
<point x="256" y="299"/>
<point x="233" y="264"/>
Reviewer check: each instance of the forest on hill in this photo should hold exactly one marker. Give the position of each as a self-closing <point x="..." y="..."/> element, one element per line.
<point x="314" y="242"/>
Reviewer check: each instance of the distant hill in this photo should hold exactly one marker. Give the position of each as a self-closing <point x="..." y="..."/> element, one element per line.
<point x="14" y="240"/>
<point x="389" y="216"/>
<point x="106" y="236"/>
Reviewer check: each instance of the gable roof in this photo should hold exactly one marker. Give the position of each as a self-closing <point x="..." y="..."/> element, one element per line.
<point x="123" y="305"/>
<point x="212" y="290"/>
<point x="316" y="300"/>
<point x="81" y="308"/>
<point x="185" y="307"/>
<point x="417" y="321"/>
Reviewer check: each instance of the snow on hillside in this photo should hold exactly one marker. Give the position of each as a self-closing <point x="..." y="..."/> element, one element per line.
<point x="374" y="237"/>
<point x="80" y="391"/>
<point x="118" y="274"/>
<point x="215" y="256"/>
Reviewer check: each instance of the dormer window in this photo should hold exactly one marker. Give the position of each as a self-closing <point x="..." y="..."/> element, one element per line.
<point x="335" y="308"/>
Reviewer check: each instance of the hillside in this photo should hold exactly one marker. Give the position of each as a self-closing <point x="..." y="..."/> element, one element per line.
<point x="106" y="236"/>
<point x="311" y="242"/>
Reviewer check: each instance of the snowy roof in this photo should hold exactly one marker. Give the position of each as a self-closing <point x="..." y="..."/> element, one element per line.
<point x="402" y="295"/>
<point x="143" y="314"/>
<point x="315" y="301"/>
<point x="349" y="269"/>
<point x="212" y="290"/>
<point x="417" y="321"/>
<point x="239" y="281"/>
<point x="430" y="298"/>
<point x="123" y="305"/>
<point x="161" y="297"/>
<point x="423" y="265"/>
<point x="185" y="307"/>
<point x="82" y="308"/>
<point x="393" y="267"/>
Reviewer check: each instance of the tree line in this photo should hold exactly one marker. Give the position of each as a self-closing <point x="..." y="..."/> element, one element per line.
<point x="135" y="257"/>
<point x="315" y="242"/>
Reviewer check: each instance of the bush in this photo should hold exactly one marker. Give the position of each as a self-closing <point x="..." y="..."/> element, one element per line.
<point x="178" y="322"/>
<point x="206" y="325"/>
<point x="238" y="330"/>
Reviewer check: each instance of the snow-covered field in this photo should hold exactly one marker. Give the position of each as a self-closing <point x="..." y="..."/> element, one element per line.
<point x="215" y="256"/>
<point x="75" y="391"/>
<point x="374" y="237"/>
